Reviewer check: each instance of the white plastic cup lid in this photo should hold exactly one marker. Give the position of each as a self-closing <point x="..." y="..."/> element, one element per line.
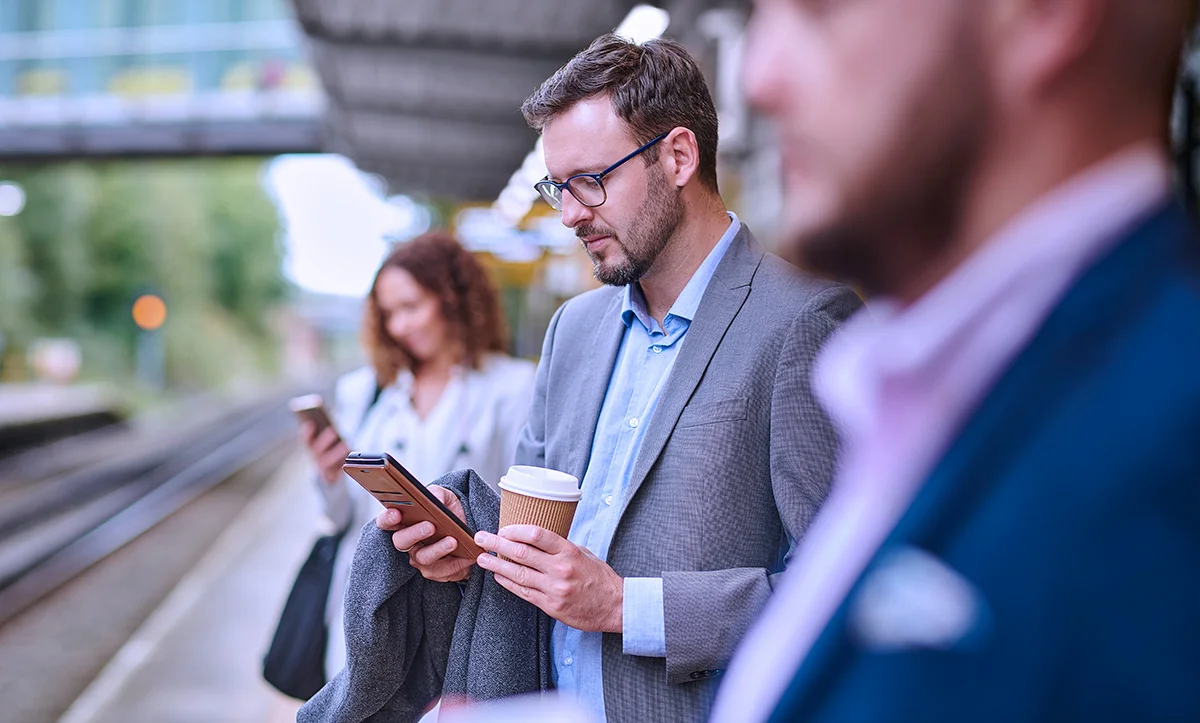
<point x="546" y="484"/>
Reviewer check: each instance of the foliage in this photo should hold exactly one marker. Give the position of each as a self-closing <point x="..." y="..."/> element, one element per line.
<point x="95" y="236"/>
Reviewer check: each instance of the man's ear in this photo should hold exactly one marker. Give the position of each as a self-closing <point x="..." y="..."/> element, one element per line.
<point x="679" y="155"/>
<point x="1042" y="38"/>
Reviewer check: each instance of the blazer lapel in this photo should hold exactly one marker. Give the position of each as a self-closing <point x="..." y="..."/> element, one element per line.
<point x="722" y="301"/>
<point x="1009" y="415"/>
<point x="1085" y="321"/>
<point x="601" y="350"/>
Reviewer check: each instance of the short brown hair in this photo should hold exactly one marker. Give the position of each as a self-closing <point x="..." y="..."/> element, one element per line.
<point x="466" y="296"/>
<point x="654" y="87"/>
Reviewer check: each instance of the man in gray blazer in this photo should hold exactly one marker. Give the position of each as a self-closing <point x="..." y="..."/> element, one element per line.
<point x="679" y="395"/>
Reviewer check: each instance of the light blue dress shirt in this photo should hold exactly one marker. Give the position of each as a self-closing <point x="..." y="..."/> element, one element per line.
<point x="644" y="362"/>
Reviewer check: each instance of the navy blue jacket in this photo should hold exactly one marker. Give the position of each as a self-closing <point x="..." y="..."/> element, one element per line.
<point x="1069" y="508"/>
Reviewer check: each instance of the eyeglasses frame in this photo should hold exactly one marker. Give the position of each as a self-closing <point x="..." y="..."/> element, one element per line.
<point x="597" y="177"/>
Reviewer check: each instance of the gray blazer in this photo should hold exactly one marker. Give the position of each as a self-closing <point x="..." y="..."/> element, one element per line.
<point x="737" y="459"/>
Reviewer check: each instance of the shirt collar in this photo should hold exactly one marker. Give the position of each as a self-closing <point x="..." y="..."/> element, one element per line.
<point x="633" y="301"/>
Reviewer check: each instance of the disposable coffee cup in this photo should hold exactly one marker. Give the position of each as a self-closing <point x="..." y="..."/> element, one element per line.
<point x="538" y="496"/>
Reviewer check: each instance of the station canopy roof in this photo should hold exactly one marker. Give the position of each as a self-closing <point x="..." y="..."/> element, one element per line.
<point x="427" y="93"/>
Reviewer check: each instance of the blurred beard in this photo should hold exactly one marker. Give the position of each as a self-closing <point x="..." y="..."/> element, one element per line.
<point x="651" y="230"/>
<point x="893" y="230"/>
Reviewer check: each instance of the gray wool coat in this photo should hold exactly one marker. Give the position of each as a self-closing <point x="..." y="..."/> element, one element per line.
<point x="410" y="640"/>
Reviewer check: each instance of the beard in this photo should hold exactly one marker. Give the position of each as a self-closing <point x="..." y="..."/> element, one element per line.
<point x="653" y="226"/>
<point x="889" y="231"/>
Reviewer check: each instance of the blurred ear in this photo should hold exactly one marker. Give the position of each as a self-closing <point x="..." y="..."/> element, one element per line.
<point x="1038" y="41"/>
<point x="680" y="156"/>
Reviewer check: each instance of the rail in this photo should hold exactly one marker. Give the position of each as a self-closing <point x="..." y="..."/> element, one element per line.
<point x="53" y="528"/>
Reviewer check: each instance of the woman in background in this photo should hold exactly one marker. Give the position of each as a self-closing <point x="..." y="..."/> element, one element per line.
<point x="440" y="392"/>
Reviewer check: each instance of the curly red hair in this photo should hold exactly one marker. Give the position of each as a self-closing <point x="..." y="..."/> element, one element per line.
<point x="466" y="297"/>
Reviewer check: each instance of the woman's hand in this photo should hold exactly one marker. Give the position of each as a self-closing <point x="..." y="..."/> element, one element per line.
<point x="327" y="450"/>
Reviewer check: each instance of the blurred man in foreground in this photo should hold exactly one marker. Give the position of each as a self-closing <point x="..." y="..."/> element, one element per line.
<point x="1014" y="532"/>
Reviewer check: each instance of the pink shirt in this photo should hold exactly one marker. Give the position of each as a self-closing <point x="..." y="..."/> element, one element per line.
<point x="899" y="382"/>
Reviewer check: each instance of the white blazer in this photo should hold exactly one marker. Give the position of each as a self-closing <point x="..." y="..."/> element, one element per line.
<point x="474" y="425"/>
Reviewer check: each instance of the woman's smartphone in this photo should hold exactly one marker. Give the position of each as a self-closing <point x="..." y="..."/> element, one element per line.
<point x="391" y="484"/>
<point x="311" y="408"/>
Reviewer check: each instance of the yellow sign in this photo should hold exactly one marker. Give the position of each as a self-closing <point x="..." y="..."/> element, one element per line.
<point x="149" y="312"/>
<point x="141" y="82"/>
<point x="42" y="81"/>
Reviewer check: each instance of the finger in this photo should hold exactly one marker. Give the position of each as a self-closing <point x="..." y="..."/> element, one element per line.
<point x="389" y="518"/>
<point x="519" y="552"/>
<point x="538" y="537"/>
<point x="404" y="538"/>
<point x="307" y="429"/>
<point x="328" y="437"/>
<point x="517" y="573"/>
<point x="434" y="552"/>
<point x="326" y="441"/>
<point x="335" y="456"/>
<point x="447" y="498"/>
<point x="331" y="459"/>
<point x="526" y="593"/>
<point x="453" y="569"/>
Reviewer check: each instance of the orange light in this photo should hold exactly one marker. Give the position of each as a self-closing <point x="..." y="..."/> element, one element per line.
<point x="149" y="312"/>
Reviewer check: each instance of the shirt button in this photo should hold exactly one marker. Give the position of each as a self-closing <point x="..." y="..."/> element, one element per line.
<point x="656" y="349"/>
<point x="608" y="500"/>
<point x="634" y="422"/>
<point x="568" y="660"/>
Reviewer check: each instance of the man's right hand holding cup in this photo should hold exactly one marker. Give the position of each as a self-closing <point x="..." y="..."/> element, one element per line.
<point x="528" y="496"/>
<point x="431" y="557"/>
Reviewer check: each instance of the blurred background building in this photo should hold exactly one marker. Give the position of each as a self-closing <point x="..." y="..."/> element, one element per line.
<point x="145" y="136"/>
<point x="124" y="77"/>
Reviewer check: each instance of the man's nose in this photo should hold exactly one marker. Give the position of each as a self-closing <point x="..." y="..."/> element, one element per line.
<point x="574" y="212"/>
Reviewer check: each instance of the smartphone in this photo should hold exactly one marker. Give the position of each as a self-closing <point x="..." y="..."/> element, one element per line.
<point x="391" y="484"/>
<point x="311" y="408"/>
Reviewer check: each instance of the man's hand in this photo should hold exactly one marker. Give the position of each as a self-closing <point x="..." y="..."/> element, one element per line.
<point x="327" y="449"/>
<point x="566" y="581"/>
<point x="431" y="558"/>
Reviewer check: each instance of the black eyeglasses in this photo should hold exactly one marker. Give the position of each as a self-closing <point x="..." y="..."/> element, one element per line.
<point x="587" y="188"/>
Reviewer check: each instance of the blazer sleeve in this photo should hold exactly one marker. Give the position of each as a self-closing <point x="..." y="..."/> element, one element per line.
<point x="531" y="444"/>
<point x="804" y="443"/>
<point x="707" y="613"/>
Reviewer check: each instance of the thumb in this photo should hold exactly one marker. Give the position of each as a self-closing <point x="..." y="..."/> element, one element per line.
<point x="446" y="497"/>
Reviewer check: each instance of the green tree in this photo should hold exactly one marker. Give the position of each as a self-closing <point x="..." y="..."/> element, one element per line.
<point x="94" y="236"/>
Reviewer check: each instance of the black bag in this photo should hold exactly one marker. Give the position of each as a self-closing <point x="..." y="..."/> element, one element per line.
<point x="295" y="662"/>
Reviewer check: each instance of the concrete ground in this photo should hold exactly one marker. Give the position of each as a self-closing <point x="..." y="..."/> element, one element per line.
<point x="197" y="658"/>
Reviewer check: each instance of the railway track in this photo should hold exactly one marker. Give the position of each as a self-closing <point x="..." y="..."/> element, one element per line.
<point x="66" y="506"/>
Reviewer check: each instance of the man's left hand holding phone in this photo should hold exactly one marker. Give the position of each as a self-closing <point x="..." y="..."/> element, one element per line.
<point x="427" y="552"/>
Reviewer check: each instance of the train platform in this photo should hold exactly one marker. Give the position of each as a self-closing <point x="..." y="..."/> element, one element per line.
<point x="197" y="657"/>
<point x="32" y="412"/>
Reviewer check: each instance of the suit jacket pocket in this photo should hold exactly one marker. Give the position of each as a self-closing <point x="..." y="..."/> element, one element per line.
<point x="724" y="410"/>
